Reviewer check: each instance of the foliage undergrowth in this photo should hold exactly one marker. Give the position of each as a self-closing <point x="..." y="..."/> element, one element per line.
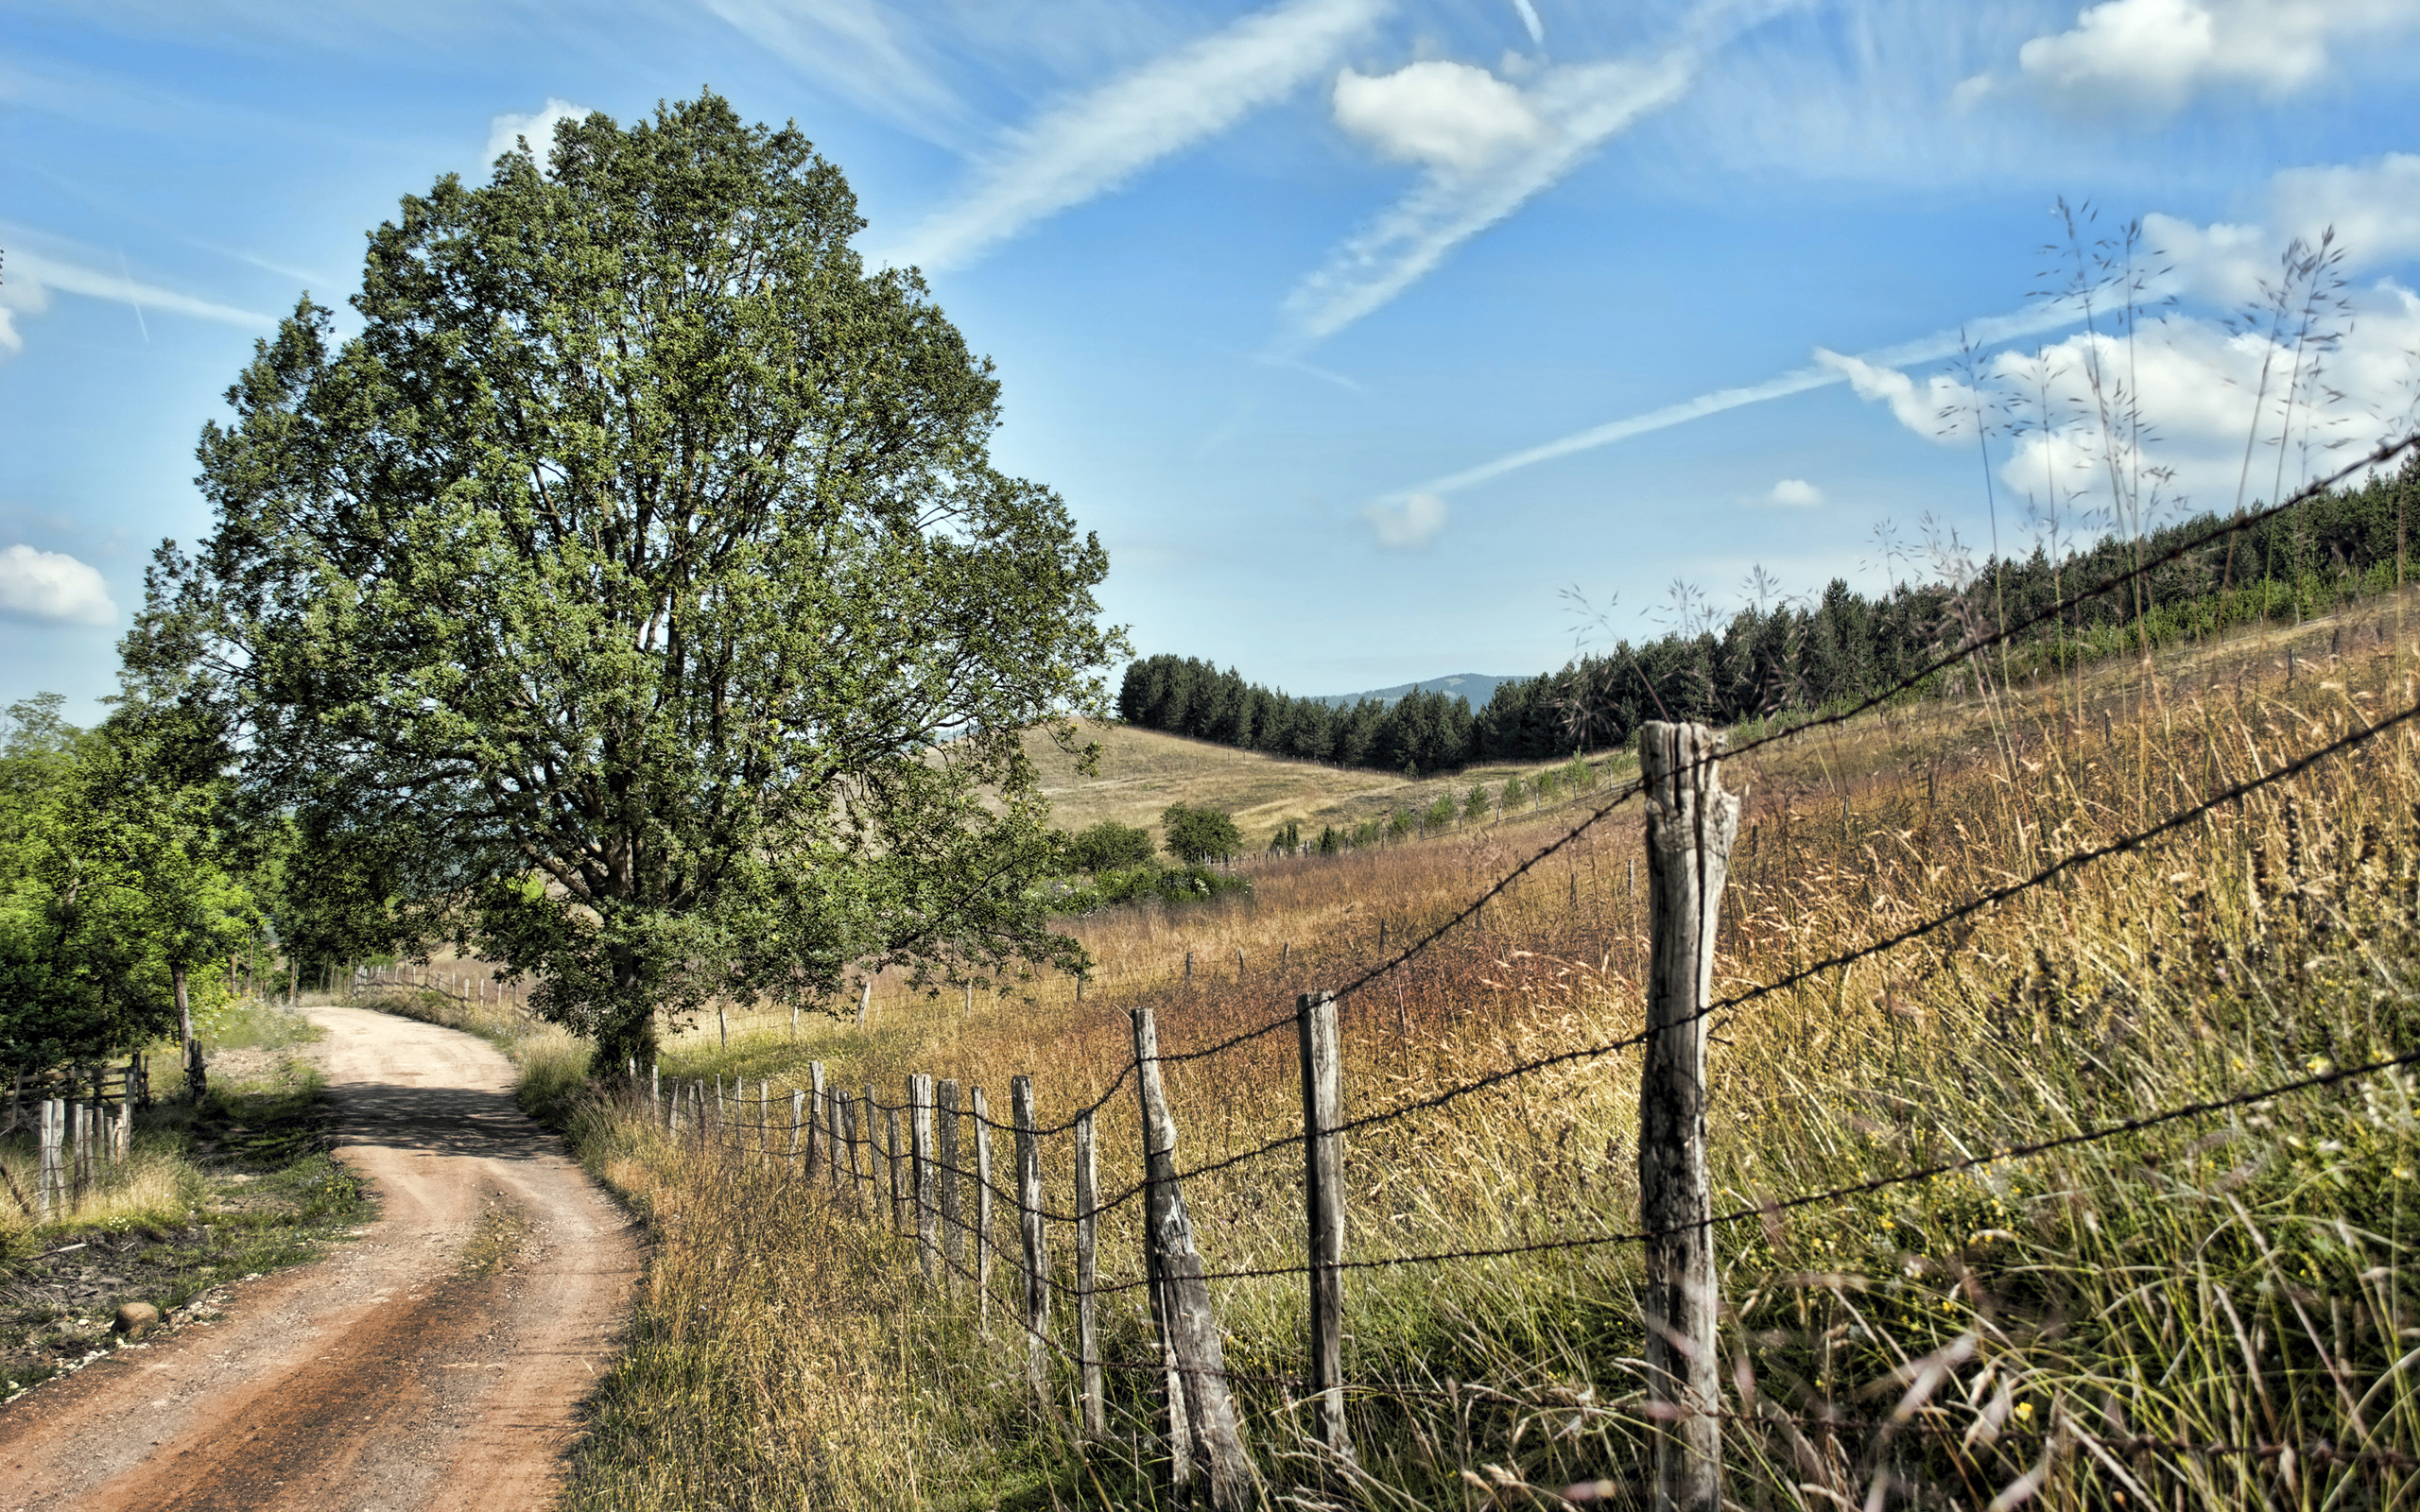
<point x="2211" y="1313"/>
<point x="236" y="1185"/>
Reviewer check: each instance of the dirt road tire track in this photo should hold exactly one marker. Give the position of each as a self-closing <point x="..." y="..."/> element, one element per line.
<point x="390" y="1376"/>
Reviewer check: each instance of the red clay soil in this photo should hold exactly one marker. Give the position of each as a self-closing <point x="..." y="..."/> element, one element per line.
<point x="437" y="1362"/>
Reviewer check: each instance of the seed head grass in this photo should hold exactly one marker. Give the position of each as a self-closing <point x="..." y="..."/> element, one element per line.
<point x="2209" y="1313"/>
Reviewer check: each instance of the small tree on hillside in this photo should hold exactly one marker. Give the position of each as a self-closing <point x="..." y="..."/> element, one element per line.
<point x="1194" y="835"/>
<point x="1109" y="846"/>
<point x="1475" y="809"/>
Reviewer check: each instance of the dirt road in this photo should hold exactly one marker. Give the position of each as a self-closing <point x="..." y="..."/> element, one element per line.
<point x="435" y="1363"/>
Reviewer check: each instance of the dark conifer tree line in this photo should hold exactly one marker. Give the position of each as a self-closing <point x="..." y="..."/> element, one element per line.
<point x="1805" y="655"/>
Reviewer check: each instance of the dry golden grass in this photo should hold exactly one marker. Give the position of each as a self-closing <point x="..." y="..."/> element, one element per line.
<point x="2232" y="1282"/>
<point x="1142" y="772"/>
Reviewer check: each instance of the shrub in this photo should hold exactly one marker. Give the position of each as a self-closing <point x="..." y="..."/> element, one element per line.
<point x="1108" y="846"/>
<point x="1194" y="835"/>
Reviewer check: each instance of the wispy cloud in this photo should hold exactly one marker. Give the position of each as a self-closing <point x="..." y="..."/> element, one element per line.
<point x="852" y="48"/>
<point x="1093" y="143"/>
<point x="1827" y="370"/>
<point x="1489" y="149"/>
<point x="1406" y="523"/>
<point x="33" y="276"/>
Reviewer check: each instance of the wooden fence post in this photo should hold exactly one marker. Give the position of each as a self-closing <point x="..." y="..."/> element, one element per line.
<point x="1096" y="1408"/>
<point x="899" y="1218"/>
<point x="52" y="1135"/>
<point x="844" y="1142"/>
<point x="800" y="1161"/>
<point x="873" y="1151"/>
<point x="1323" y="1199"/>
<point x="1037" y="1274"/>
<point x="945" y="1173"/>
<point x="818" y="1102"/>
<point x="982" y="1211"/>
<point x="1191" y="1327"/>
<point x="840" y="1139"/>
<point x="1691" y="823"/>
<point x="920" y="1138"/>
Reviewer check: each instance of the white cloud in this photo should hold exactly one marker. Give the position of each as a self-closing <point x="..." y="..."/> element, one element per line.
<point x="1943" y="409"/>
<point x="852" y="48"/>
<point x="1406" y="523"/>
<point x="1530" y="24"/>
<point x="1455" y="118"/>
<point x="1090" y="145"/>
<point x="2374" y="208"/>
<point x="1475" y="179"/>
<point x="32" y="277"/>
<point x="52" y="587"/>
<point x="1990" y="330"/>
<point x="538" y="126"/>
<point x="1796" y="494"/>
<point x="2156" y="55"/>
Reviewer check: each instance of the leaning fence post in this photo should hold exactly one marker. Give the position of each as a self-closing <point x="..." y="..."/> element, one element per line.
<point x="1690" y="825"/>
<point x="982" y="1211"/>
<point x="945" y="1173"/>
<point x="1192" y="1327"/>
<point x="920" y="1138"/>
<point x="1096" y="1410"/>
<point x="1037" y="1276"/>
<point x="1323" y="1199"/>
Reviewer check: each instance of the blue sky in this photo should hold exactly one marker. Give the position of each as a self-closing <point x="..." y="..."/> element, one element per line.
<point x="1361" y="330"/>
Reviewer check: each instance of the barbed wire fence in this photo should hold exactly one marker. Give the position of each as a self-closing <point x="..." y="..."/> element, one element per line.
<point x="921" y="1170"/>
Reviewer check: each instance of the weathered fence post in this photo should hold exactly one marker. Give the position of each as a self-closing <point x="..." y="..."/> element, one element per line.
<point x="1690" y="825"/>
<point x="840" y="1134"/>
<point x="899" y="1218"/>
<point x="844" y="1142"/>
<point x="982" y="1211"/>
<point x="1323" y="1199"/>
<point x="920" y="1138"/>
<point x="819" y="1122"/>
<point x="1096" y="1408"/>
<point x="1037" y="1274"/>
<point x="53" y="1134"/>
<point x="802" y="1158"/>
<point x="1190" y="1327"/>
<point x="873" y="1152"/>
<point x="945" y="1172"/>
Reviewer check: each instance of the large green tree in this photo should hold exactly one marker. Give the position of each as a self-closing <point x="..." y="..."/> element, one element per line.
<point x="641" y="565"/>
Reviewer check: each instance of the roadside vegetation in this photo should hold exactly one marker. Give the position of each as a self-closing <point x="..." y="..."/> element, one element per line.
<point x="217" y="1192"/>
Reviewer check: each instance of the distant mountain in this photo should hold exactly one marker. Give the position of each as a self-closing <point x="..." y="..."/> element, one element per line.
<point x="1475" y="686"/>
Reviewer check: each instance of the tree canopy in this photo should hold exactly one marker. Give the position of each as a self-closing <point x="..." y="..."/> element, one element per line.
<point x="639" y="581"/>
<point x="1197" y="834"/>
<point x="118" y="872"/>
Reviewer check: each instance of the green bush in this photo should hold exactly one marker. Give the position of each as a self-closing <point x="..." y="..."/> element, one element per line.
<point x="1108" y="846"/>
<point x="1194" y="835"/>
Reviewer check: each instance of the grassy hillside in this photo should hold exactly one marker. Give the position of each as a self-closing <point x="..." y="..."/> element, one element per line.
<point x="1142" y="772"/>
<point x="2207" y="1314"/>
